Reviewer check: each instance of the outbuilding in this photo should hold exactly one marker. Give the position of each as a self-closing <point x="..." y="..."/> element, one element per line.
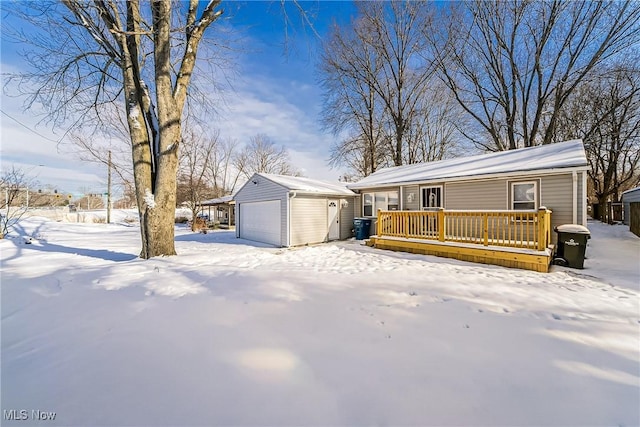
<point x="628" y="197"/>
<point x="292" y="211"/>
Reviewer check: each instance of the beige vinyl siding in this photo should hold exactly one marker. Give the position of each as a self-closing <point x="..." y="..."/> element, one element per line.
<point x="308" y="220"/>
<point x="346" y="217"/>
<point x="357" y="206"/>
<point x="265" y="190"/>
<point x="414" y="205"/>
<point x="556" y="196"/>
<point x="477" y="195"/>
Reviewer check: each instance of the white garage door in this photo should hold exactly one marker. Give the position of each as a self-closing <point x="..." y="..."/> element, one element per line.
<point x="260" y="221"/>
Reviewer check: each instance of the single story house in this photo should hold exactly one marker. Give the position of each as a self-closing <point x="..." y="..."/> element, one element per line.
<point x="629" y="197"/>
<point x="221" y="209"/>
<point x="552" y="176"/>
<point x="292" y="211"/>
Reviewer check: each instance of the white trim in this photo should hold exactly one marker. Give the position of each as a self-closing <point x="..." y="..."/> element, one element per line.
<point x="374" y="212"/>
<point x="584" y="198"/>
<point x="532" y="173"/>
<point x="507" y="190"/>
<point x="441" y="187"/>
<point x="574" y="193"/>
<point x="401" y="201"/>
<point x="290" y="195"/>
<point x="327" y="203"/>
<point x="535" y="194"/>
<point x="373" y="203"/>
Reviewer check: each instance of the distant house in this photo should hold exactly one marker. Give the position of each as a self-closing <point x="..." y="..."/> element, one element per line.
<point x="221" y="209"/>
<point x="292" y="211"/>
<point x="628" y="197"/>
<point x="553" y="176"/>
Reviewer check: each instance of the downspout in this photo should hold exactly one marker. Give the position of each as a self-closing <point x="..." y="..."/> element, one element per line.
<point x="574" y="176"/>
<point x="401" y="198"/>
<point x="292" y="195"/>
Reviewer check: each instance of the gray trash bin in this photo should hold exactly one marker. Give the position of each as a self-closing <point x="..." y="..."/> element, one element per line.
<point x="572" y="245"/>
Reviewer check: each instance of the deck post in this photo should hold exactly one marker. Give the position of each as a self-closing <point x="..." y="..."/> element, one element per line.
<point x="542" y="228"/>
<point x="485" y="228"/>
<point x="379" y="224"/>
<point x="441" y="224"/>
<point x="406" y="224"/>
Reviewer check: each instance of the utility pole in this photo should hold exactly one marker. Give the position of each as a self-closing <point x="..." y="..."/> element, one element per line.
<point x="109" y="188"/>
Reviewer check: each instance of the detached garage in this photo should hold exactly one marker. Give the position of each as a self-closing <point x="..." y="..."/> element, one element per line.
<point x="290" y="211"/>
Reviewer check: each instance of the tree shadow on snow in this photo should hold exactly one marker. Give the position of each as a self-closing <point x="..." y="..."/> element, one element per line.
<point x="35" y="243"/>
<point x="104" y="254"/>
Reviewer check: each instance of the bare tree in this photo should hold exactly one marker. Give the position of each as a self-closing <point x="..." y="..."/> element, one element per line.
<point x="512" y="65"/>
<point x="393" y="30"/>
<point x="141" y="54"/>
<point x="195" y="157"/>
<point x="262" y="156"/>
<point x="348" y="68"/>
<point x="435" y="132"/>
<point x="225" y="168"/>
<point x="605" y="113"/>
<point x="17" y="194"/>
<point x="378" y="87"/>
<point x="109" y="134"/>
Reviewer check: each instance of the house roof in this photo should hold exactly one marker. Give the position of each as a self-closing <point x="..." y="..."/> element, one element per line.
<point x="560" y="155"/>
<point x="633" y="190"/>
<point x="307" y="185"/>
<point x="218" y="201"/>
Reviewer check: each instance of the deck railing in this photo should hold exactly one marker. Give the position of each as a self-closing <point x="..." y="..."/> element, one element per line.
<point x="516" y="229"/>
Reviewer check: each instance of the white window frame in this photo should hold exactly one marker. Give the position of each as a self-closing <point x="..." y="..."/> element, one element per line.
<point x="374" y="212"/>
<point x="422" y="188"/>
<point x="513" y="194"/>
<point x="373" y="203"/>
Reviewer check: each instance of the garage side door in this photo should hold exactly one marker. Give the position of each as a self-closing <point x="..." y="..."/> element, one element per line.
<point x="260" y="222"/>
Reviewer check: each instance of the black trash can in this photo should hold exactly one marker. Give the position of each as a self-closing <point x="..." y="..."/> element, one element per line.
<point x="572" y="245"/>
<point x="361" y="227"/>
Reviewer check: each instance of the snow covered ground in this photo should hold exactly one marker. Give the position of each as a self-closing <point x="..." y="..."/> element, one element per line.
<point x="231" y="332"/>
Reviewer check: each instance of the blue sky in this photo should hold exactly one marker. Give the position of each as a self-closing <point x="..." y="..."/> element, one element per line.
<point x="274" y="91"/>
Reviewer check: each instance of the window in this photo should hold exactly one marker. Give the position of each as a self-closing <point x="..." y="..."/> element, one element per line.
<point x="367" y="204"/>
<point x="380" y="200"/>
<point x="392" y="201"/>
<point x="431" y="197"/>
<point x="524" y="196"/>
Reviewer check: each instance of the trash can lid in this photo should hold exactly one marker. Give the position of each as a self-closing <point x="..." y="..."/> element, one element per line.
<point x="573" y="228"/>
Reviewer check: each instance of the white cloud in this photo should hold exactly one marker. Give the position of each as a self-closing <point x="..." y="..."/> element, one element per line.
<point x="33" y="148"/>
<point x="285" y="110"/>
<point x="273" y="108"/>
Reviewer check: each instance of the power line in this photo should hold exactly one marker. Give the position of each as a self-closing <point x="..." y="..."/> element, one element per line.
<point x="29" y="128"/>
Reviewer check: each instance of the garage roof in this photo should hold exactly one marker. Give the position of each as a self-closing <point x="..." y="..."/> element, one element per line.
<point x="560" y="155"/>
<point x="307" y="185"/>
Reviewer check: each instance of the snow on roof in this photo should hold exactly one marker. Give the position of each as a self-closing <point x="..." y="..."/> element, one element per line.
<point x="631" y="190"/>
<point x="552" y="156"/>
<point x="219" y="200"/>
<point x="296" y="183"/>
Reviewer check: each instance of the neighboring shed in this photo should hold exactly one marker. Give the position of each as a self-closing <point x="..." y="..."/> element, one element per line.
<point x="554" y="176"/>
<point x="628" y="197"/>
<point x="292" y="211"/>
<point x="223" y="210"/>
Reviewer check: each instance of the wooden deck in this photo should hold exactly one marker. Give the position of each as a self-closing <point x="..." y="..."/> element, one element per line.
<point x="519" y="239"/>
